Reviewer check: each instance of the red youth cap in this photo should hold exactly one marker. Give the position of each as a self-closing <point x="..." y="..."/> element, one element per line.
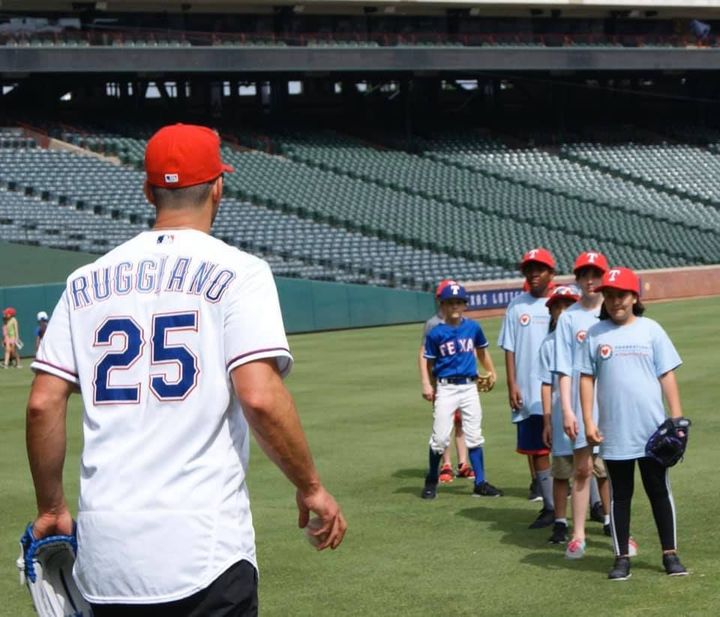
<point x="9" y="312"/>
<point x="540" y="255"/>
<point x="591" y="258"/>
<point x="563" y="292"/>
<point x="623" y="279"/>
<point x="442" y="285"/>
<point x="183" y="155"/>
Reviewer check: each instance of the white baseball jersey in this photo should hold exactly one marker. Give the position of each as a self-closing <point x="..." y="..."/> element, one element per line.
<point x="150" y="333"/>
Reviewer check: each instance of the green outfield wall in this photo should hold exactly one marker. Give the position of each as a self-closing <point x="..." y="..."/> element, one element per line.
<point x="307" y="305"/>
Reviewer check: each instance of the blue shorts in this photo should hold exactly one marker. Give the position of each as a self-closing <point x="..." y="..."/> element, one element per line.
<point x="529" y="436"/>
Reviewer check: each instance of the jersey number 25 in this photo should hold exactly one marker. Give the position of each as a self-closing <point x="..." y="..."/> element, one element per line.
<point x="161" y="352"/>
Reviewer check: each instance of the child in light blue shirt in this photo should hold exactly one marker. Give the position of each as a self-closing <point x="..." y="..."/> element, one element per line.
<point x="554" y="435"/>
<point x="631" y="362"/>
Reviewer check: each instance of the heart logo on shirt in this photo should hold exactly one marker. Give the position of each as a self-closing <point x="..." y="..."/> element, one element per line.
<point x="524" y="319"/>
<point x="580" y="336"/>
<point x="605" y="352"/>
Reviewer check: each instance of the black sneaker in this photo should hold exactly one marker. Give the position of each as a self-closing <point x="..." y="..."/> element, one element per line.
<point x="597" y="513"/>
<point x="485" y="489"/>
<point x="429" y="490"/>
<point x="606" y="530"/>
<point x="544" y="519"/>
<point x="621" y="570"/>
<point x="672" y="565"/>
<point x="534" y="492"/>
<point x="559" y="534"/>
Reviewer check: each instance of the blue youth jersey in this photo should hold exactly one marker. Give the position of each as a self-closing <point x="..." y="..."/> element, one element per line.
<point x="561" y="444"/>
<point x="523" y="331"/>
<point x="627" y="362"/>
<point x="572" y="329"/>
<point x="453" y="348"/>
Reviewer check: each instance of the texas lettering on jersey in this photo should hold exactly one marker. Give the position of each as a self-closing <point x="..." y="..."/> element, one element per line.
<point x="450" y="348"/>
<point x="179" y="274"/>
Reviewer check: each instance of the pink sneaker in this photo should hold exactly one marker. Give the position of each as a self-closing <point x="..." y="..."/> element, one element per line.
<point x="632" y="547"/>
<point x="575" y="549"/>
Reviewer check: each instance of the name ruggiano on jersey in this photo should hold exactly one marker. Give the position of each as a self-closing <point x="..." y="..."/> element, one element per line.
<point x="186" y="275"/>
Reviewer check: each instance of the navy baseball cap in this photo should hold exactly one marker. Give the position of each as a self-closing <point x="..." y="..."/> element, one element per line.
<point x="453" y="291"/>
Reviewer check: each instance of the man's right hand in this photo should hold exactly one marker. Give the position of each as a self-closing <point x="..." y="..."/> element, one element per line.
<point x="323" y="504"/>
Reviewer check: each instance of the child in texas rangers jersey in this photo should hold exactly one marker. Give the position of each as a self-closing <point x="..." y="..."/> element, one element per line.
<point x="453" y="349"/>
<point x="631" y="362"/>
<point x="572" y="329"/>
<point x="428" y="392"/>
<point x="554" y="436"/>
<point x="522" y="332"/>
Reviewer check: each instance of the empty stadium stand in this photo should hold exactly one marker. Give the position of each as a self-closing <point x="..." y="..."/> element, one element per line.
<point x="329" y="206"/>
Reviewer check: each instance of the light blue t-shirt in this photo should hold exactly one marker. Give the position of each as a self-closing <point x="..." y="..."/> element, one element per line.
<point x="523" y="330"/>
<point x="453" y="348"/>
<point x="430" y="324"/>
<point x="561" y="444"/>
<point x="627" y="362"/>
<point x="572" y="329"/>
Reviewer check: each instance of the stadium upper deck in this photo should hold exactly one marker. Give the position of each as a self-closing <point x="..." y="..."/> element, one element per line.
<point x="404" y="5"/>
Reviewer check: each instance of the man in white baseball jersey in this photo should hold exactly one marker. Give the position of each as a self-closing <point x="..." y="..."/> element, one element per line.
<point x="177" y="345"/>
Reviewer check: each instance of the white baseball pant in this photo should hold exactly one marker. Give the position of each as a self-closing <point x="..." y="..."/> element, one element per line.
<point x="448" y="398"/>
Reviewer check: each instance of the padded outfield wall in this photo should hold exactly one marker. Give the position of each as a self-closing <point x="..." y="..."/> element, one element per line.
<point x="33" y="279"/>
<point x="310" y="306"/>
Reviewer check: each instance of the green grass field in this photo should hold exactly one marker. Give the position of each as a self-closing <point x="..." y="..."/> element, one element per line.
<point x="359" y="398"/>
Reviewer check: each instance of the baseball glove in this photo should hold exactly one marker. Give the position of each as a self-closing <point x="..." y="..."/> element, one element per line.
<point x="667" y="444"/>
<point x="46" y="568"/>
<point x="486" y="382"/>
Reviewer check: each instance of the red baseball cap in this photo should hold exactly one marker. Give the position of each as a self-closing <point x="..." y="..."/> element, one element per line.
<point x="591" y="258"/>
<point x="540" y="255"/>
<point x="183" y="155"/>
<point x="9" y="312"/>
<point x="442" y="285"/>
<point x="563" y="292"/>
<point x="623" y="279"/>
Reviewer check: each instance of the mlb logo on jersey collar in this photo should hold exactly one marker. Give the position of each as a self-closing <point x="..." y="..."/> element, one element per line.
<point x="605" y="352"/>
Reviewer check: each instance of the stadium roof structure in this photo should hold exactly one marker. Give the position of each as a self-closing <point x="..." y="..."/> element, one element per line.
<point x="224" y="56"/>
<point x="359" y="5"/>
<point x="240" y="61"/>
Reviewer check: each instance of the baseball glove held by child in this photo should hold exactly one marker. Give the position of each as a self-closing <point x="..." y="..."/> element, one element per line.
<point x="46" y="568"/>
<point x="668" y="443"/>
<point x="486" y="382"/>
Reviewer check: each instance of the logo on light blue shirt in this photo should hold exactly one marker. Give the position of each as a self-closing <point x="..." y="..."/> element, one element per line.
<point x="605" y="352"/>
<point x="525" y="319"/>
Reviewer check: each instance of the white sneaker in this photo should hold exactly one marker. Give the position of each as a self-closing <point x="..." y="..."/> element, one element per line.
<point x="575" y="549"/>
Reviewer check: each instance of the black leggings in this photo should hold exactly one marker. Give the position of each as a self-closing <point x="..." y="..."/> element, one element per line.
<point x="657" y="486"/>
